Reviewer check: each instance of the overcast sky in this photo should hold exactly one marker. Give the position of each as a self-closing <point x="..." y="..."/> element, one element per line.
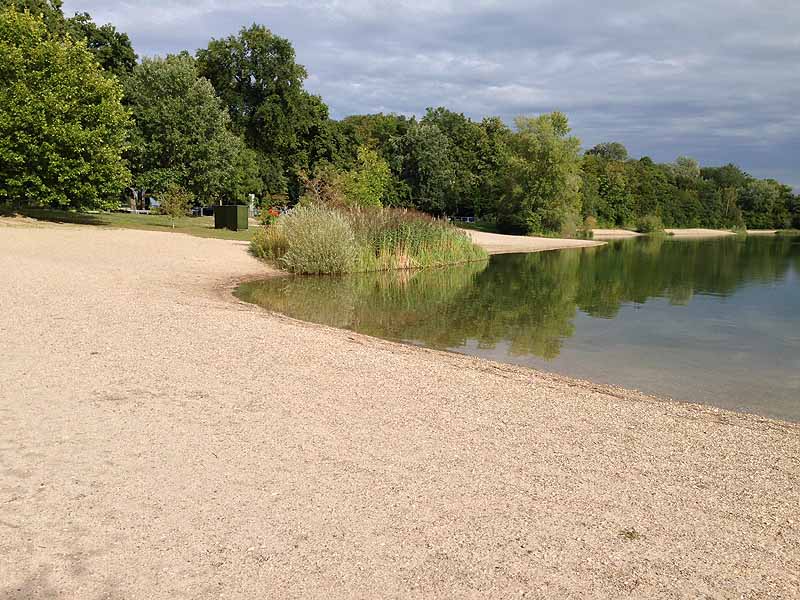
<point x="718" y="80"/>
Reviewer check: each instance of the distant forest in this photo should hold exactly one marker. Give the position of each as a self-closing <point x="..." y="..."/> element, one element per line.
<point x="85" y="124"/>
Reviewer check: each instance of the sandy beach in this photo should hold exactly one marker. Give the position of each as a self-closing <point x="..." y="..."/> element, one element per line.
<point x="615" y="234"/>
<point x="496" y="243"/>
<point x="698" y="232"/>
<point x="160" y="439"/>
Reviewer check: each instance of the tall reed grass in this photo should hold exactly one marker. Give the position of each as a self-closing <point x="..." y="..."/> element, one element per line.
<point x="318" y="238"/>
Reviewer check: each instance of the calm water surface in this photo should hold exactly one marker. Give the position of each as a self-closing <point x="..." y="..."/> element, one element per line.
<point x="711" y="321"/>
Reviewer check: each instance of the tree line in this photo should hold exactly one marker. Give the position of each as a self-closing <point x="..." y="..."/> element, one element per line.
<point x="84" y="124"/>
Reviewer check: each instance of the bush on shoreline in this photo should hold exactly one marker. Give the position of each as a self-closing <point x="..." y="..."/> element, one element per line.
<point x="322" y="239"/>
<point x="649" y="224"/>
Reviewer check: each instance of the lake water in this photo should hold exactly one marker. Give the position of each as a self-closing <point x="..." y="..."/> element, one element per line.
<point x="712" y="321"/>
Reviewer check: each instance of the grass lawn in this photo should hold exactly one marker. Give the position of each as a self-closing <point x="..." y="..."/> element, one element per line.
<point x="199" y="226"/>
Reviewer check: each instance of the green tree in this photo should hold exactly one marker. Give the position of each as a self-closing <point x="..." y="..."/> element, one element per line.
<point x="62" y="125"/>
<point x="726" y="176"/>
<point x="50" y="12"/>
<point x="686" y="168"/>
<point x="493" y="154"/>
<point x="366" y="184"/>
<point x="375" y="131"/>
<point x="613" y="188"/>
<point x="422" y="158"/>
<point x="182" y="133"/>
<point x="794" y="211"/>
<point x="467" y="144"/>
<point x="610" y="151"/>
<point x="256" y="76"/>
<point x="607" y="190"/>
<point x="111" y="48"/>
<point x="590" y="190"/>
<point x="542" y="180"/>
<point x="650" y="187"/>
<point x="765" y="204"/>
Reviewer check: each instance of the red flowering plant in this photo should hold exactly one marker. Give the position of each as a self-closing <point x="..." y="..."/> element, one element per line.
<point x="269" y="216"/>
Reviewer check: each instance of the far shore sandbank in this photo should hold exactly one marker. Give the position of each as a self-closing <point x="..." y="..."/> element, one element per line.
<point x="496" y="243"/>
<point x="693" y="232"/>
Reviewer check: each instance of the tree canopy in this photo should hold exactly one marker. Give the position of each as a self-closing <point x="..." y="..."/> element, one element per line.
<point x="237" y="120"/>
<point x="112" y="49"/>
<point x="541" y="181"/>
<point x="366" y="184"/>
<point x="50" y="12"/>
<point x="610" y="151"/>
<point x="182" y="134"/>
<point x="256" y="76"/>
<point x="62" y="124"/>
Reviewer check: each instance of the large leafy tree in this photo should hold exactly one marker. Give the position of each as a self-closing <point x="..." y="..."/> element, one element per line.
<point x="476" y="154"/>
<point x="650" y="187"/>
<point x="422" y="158"/>
<point x="182" y="134"/>
<point x="542" y="181"/>
<point x="766" y="204"/>
<point x="111" y="48"/>
<point x="610" y="151"/>
<point x="794" y="212"/>
<point x="50" y="11"/>
<point x="366" y="184"/>
<point x="726" y="176"/>
<point x="493" y="154"/>
<point x="62" y="125"/>
<point x="686" y="169"/>
<point x="375" y="131"/>
<point x="608" y="196"/>
<point x="465" y="140"/>
<point x="256" y="76"/>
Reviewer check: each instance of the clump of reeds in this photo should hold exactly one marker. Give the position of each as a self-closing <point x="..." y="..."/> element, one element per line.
<point x="320" y="238"/>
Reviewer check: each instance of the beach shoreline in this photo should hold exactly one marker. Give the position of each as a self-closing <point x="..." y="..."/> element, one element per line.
<point x="162" y="438"/>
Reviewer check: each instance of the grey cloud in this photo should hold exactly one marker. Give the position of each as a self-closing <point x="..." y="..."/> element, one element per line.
<point x="716" y="80"/>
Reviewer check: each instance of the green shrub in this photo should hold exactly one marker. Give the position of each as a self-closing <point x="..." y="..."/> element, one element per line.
<point x="649" y="224"/>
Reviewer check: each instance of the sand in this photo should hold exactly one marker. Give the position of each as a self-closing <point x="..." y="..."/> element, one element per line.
<point x="698" y="232"/>
<point x="613" y="234"/>
<point x="496" y="243"/>
<point x="160" y="439"/>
